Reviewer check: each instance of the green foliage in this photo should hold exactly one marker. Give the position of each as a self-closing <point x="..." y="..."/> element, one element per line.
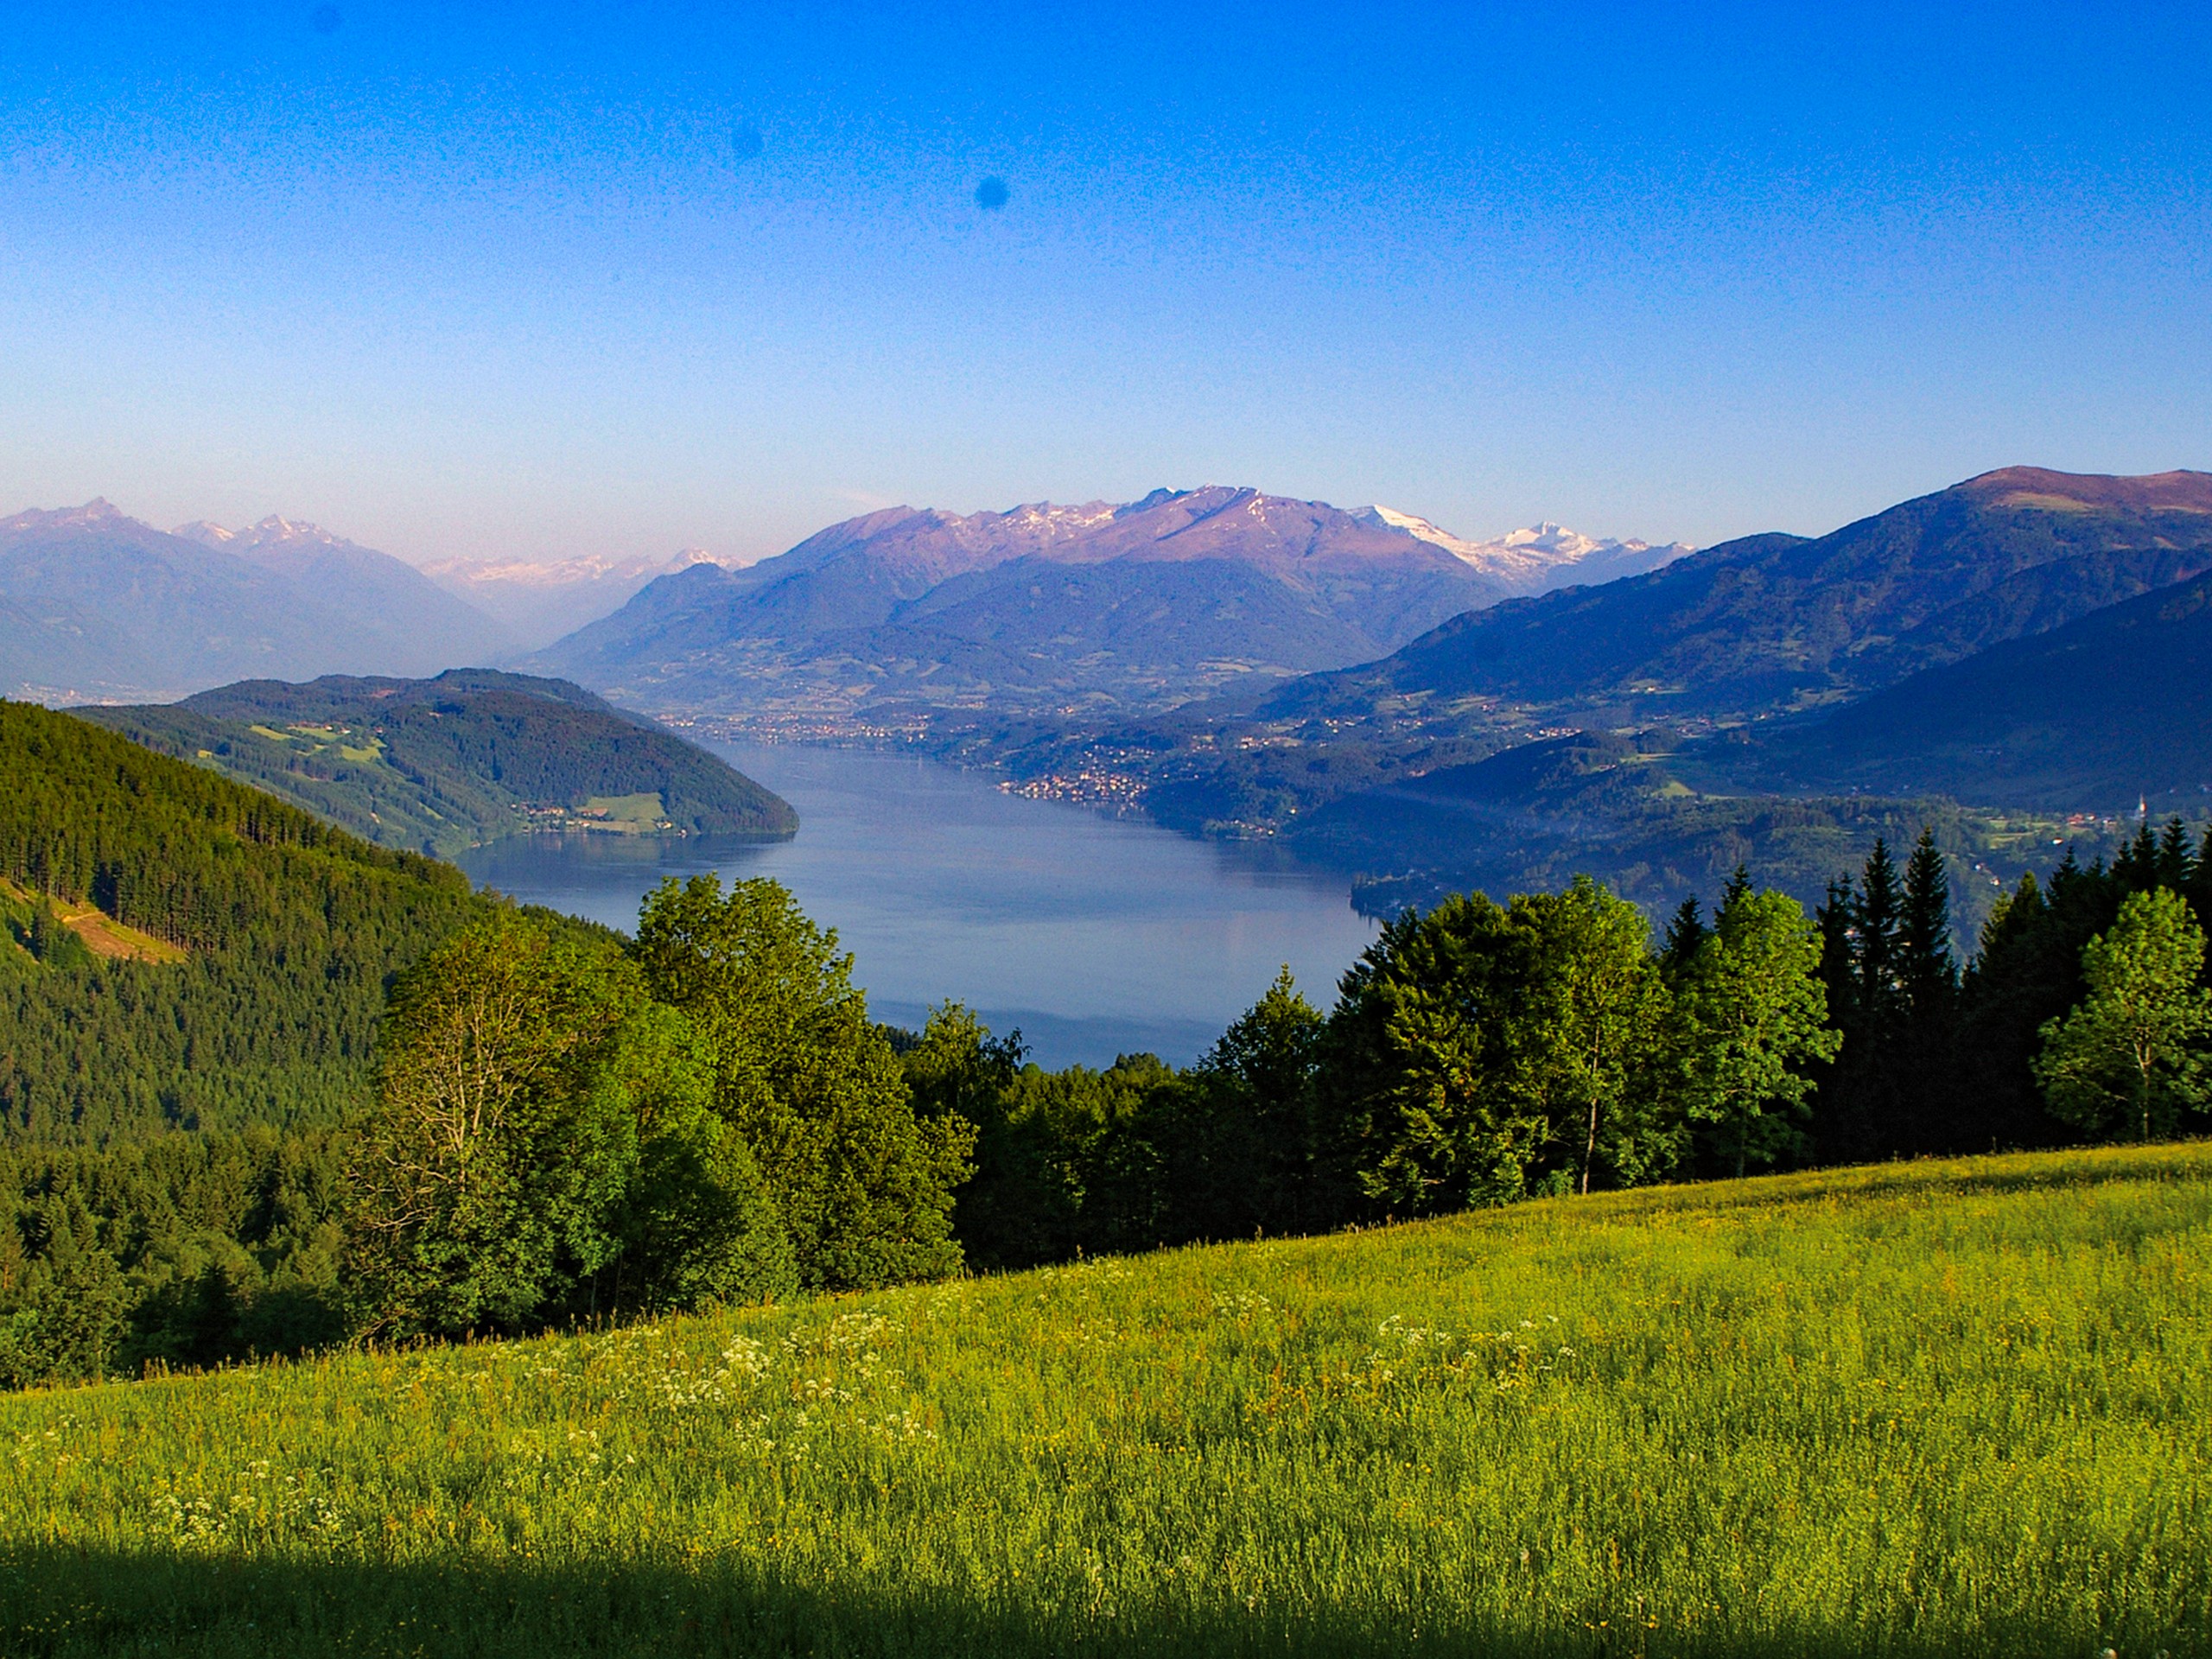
<point x="291" y="929"/>
<point x="864" y="1183"/>
<point x="486" y="1181"/>
<point x="449" y="763"/>
<point x="1596" y="1030"/>
<point x="697" y="1223"/>
<point x="1752" y="1013"/>
<point x="1426" y="1098"/>
<point x="1948" y="1410"/>
<point x="1255" y="1092"/>
<point x="1479" y="1052"/>
<point x="189" y="1249"/>
<point x="2133" y="1050"/>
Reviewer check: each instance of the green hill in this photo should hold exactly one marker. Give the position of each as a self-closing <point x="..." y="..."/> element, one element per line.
<point x="450" y="763"/>
<point x="1938" y="1409"/>
<point x="278" y="932"/>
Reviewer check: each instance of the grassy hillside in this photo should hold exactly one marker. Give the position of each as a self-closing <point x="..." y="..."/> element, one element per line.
<point x="450" y="763"/>
<point x="1932" y="1409"/>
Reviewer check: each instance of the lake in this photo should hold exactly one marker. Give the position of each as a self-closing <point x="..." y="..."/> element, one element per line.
<point x="1093" y="935"/>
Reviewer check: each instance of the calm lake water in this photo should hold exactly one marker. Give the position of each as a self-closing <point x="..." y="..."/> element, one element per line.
<point x="1094" y="936"/>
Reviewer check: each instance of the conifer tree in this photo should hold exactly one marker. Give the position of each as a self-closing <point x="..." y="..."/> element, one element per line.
<point x="1928" y="974"/>
<point x="1877" y="929"/>
<point x="1685" y="932"/>
<point x="2175" y="858"/>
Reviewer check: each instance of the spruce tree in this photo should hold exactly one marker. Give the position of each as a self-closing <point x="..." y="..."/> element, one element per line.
<point x="1925" y="1089"/>
<point x="1928" y="974"/>
<point x="1877" y="945"/>
<point x="1685" y="934"/>
<point x="2174" y="861"/>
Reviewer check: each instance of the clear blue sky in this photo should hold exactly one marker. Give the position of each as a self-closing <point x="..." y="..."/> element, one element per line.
<point x="512" y="280"/>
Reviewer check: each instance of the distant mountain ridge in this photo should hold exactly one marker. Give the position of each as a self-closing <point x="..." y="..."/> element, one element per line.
<point x="1772" y="622"/>
<point x="442" y="765"/>
<point x="538" y="602"/>
<point x="96" y="606"/>
<point x="1541" y="556"/>
<point x="1142" y="605"/>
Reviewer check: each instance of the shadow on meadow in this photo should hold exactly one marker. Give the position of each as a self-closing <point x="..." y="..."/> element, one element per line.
<point x="66" y="1602"/>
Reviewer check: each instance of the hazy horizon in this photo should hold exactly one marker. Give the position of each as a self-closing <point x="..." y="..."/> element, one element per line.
<point x="582" y="281"/>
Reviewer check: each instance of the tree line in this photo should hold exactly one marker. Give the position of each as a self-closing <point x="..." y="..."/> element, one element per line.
<point x="569" y="1126"/>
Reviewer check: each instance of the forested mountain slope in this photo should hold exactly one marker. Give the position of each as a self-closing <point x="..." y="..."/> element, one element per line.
<point x="1776" y="621"/>
<point x="2092" y="716"/>
<point x="289" y="930"/>
<point x="96" y="606"/>
<point x="449" y="763"/>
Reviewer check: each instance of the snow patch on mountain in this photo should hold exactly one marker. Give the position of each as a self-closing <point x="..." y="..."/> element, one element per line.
<point x="1538" y="557"/>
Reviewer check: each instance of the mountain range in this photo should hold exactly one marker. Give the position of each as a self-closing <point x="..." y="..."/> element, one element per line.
<point x="1773" y="623"/>
<point x="1139" y="606"/>
<point x="2028" y="643"/>
<point x="2113" y="707"/>
<point x="96" y="606"/>
<point x="1144" y="605"/>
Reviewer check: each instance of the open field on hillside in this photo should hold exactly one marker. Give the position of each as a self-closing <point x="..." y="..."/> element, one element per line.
<point x="102" y="934"/>
<point x="1959" y="1407"/>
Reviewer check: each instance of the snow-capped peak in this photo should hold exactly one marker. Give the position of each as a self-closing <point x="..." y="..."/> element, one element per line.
<point x="1538" y="556"/>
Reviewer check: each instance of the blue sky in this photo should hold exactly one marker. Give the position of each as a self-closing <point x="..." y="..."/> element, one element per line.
<point x="546" y="280"/>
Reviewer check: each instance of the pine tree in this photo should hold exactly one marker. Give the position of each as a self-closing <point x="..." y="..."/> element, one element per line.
<point x="2137" y="864"/>
<point x="1685" y="934"/>
<point x="1879" y="930"/>
<point x="1928" y="974"/>
<point x="2175" y="858"/>
<point x="1862" y="961"/>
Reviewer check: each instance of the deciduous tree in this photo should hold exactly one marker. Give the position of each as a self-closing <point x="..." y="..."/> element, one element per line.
<point x="2134" y="1049"/>
<point x="864" y="1184"/>
<point x="1753" y="1011"/>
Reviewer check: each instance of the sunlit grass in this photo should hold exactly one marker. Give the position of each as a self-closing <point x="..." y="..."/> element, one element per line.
<point x="1944" y="1407"/>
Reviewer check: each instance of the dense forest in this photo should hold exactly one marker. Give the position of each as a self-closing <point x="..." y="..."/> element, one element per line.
<point x="514" y="1121"/>
<point x="288" y="929"/>
<point x="445" y="764"/>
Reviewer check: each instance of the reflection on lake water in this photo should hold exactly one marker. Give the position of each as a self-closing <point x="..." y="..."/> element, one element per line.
<point x="1095" y="937"/>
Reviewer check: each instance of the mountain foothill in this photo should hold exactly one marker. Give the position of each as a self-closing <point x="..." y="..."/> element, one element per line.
<point x="471" y="756"/>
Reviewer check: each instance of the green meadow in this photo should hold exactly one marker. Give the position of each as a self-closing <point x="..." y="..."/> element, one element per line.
<point x="1958" y="1407"/>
